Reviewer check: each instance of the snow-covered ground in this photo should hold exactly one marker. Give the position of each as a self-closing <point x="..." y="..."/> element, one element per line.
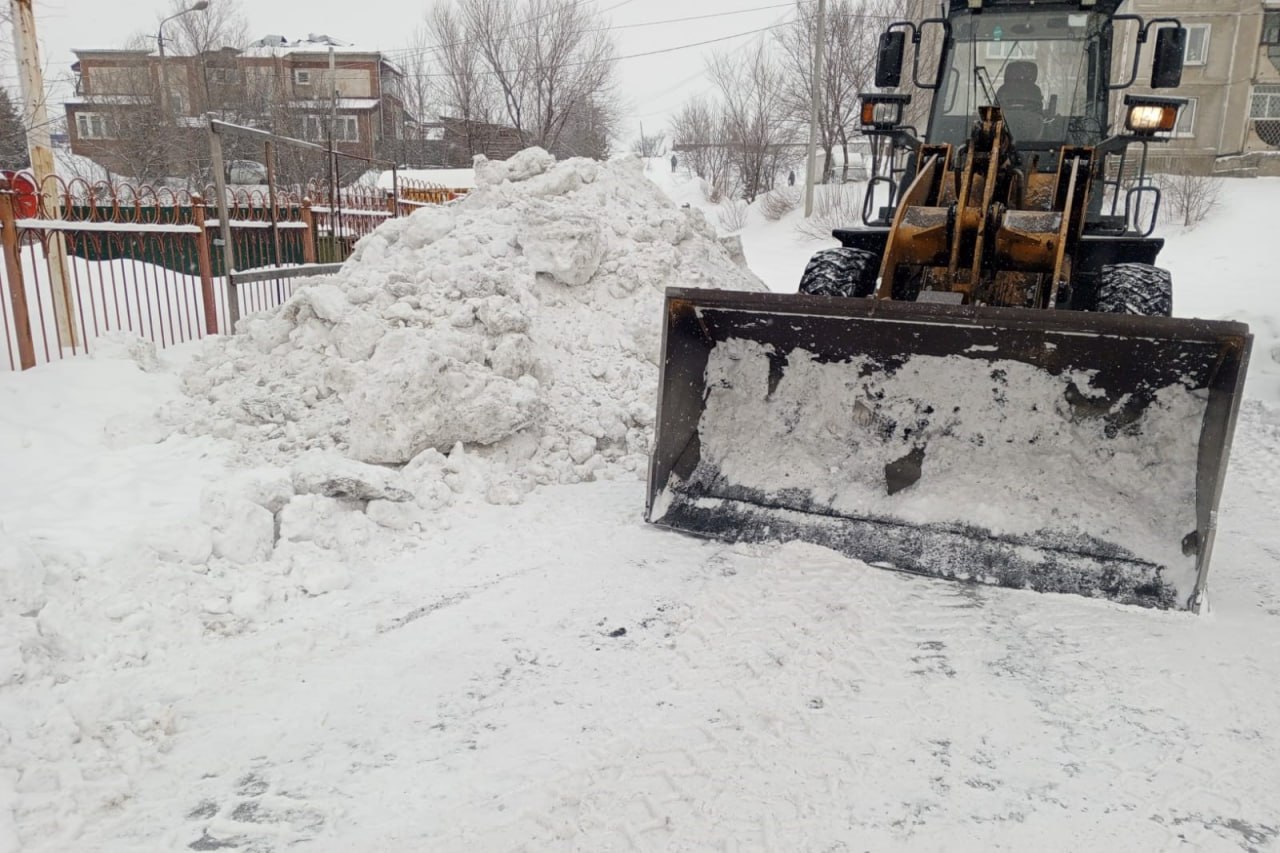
<point x="218" y="633"/>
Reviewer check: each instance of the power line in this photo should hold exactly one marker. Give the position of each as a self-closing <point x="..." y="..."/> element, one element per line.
<point x="617" y="27"/>
<point x="658" y="52"/>
<point x="411" y="51"/>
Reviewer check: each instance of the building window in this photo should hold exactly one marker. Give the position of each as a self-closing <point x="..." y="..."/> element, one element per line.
<point x="1264" y="104"/>
<point x="1197" y="44"/>
<point x="345" y="128"/>
<point x="1271" y="27"/>
<point x="1007" y="50"/>
<point x="301" y="77"/>
<point x="222" y="75"/>
<point x="92" y="126"/>
<point x="1186" y="125"/>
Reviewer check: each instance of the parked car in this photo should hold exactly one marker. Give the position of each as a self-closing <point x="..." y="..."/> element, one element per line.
<point x="246" y="172"/>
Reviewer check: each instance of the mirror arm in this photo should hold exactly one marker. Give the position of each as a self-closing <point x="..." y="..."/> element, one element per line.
<point x="1137" y="53"/>
<point x="916" y="36"/>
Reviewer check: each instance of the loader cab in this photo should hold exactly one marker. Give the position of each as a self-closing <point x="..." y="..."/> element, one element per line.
<point x="1047" y="65"/>
<point x="1045" y="68"/>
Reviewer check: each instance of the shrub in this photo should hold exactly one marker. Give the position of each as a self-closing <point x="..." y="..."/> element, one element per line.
<point x="776" y="204"/>
<point x="834" y="206"/>
<point x="733" y="214"/>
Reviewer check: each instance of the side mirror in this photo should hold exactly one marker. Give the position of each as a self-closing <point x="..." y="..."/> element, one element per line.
<point x="893" y="46"/>
<point x="1166" y="65"/>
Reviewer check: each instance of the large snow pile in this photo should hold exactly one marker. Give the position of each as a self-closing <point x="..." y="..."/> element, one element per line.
<point x="523" y="321"/>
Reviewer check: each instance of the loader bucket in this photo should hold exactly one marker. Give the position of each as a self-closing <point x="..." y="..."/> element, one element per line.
<point x="1049" y="450"/>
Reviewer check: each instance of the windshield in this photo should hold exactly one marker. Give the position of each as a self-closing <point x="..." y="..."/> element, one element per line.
<point x="1041" y="68"/>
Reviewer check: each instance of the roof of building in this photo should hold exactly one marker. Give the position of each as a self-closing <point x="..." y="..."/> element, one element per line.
<point x="343" y="103"/>
<point x="108" y="100"/>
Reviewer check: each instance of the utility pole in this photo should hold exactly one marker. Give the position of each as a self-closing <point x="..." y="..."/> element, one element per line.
<point x="815" y="100"/>
<point x="40" y="149"/>
<point x="335" y="195"/>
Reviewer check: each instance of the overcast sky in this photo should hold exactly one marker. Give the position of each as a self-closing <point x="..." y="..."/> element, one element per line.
<point x="653" y="87"/>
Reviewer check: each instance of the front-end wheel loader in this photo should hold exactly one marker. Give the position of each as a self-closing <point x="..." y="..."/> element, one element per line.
<point x="984" y="381"/>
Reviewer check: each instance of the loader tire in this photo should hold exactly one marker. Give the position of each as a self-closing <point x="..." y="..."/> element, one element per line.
<point x="1135" y="289"/>
<point x="840" y="272"/>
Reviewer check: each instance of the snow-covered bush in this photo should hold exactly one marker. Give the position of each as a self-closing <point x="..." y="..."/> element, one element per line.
<point x="834" y="206"/>
<point x="733" y="214"/>
<point x="776" y="204"/>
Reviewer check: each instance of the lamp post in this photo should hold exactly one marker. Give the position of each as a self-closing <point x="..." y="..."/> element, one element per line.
<point x="198" y="6"/>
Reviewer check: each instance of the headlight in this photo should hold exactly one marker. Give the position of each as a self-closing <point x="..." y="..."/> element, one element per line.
<point x="1150" y="115"/>
<point x="882" y="111"/>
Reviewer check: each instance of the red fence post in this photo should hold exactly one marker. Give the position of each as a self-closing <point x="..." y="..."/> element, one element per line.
<point x="309" y="240"/>
<point x="13" y="272"/>
<point x="204" y="261"/>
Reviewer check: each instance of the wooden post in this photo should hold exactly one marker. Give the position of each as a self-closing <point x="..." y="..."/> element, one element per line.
<point x="204" y="260"/>
<point x="309" y="241"/>
<point x="815" y="101"/>
<point x="13" y="272"/>
<point x="40" y="149"/>
<point x="395" y="190"/>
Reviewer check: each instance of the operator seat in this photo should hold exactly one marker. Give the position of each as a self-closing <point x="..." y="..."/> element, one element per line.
<point x="1021" y="100"/>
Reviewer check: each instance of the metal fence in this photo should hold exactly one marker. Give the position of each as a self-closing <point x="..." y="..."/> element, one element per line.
<point x="82" y="259"/>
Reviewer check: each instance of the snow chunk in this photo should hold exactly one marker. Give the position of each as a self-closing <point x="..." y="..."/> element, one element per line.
<point x="335" y="476"/>
<point x="126" y="346"/>
<point x="327" y="523"/>
<point x="416" y="397"/>
<point x="242" y="531"/>
<point x="568" y="249"/>
<point x="22" y="577"/>
<point x="523" y="166"/>
<point x="313" y="569"/>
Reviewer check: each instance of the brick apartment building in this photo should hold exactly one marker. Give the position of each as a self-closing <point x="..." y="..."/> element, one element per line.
<point x="124" y="96"/>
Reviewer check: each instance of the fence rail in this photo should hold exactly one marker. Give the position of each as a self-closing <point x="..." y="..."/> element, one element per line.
<point x="82" y="259"/>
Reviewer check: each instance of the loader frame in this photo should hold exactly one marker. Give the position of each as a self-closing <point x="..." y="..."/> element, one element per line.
<point x="997" y="222"/>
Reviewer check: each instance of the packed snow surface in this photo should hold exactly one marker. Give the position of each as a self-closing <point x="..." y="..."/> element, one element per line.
<point x="282" y="592"/>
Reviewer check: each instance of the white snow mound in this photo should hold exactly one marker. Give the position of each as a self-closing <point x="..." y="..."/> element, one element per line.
<point x="522" y="323"/>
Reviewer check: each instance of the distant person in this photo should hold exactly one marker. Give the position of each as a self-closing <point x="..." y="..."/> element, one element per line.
<point x="791" y="178"/>
<point x="673" y="164"/>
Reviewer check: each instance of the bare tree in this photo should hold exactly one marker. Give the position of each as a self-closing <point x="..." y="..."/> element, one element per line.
<point x="549" y="64"/>
<point x="649" y="145"/>
<point x="850" y="53"/>
<point x="468" y="91"/>
<point x="752" y="91"/>
<point x="212" y="37"/>
<point x="421" y="91"/>
<point x="701" y="131"/>
<point x="1190" y="197"/>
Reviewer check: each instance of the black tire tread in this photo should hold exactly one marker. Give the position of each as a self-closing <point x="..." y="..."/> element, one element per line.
<point x="1132" y="288"/>
<point x="841" y="271"/>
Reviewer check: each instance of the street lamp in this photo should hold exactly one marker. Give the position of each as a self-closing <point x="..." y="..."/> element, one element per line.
<point x="198" y="6"/>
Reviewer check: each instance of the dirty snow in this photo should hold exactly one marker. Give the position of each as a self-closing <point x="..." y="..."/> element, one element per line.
<point x="224" y="624"/>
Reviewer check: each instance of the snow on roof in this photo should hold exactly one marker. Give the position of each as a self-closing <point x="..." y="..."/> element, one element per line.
<point x="278" y="45"/>
<point x="343" y="104"/>
<point x="108" y="100"/>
